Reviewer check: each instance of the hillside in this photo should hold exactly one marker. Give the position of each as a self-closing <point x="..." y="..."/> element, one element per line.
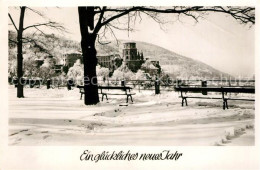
<point x="42" y="46"/>
<point x="171" y="63"/>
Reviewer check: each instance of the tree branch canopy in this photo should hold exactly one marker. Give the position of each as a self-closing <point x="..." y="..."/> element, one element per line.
<point x="245" y="15"/>
<point x="124" y="18"/>
<point x="48" y="23"/>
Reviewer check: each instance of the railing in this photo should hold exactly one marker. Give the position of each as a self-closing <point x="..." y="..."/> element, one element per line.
<point x="156" y="85"/>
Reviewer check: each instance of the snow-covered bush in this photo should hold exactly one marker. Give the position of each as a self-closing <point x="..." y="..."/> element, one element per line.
<point x="76" y="72"/>
<point x="12" y="66"/>
<point x="102" y="74"/>
<point x="143" y="79"/>
<point x="148" y="67"/>
<point x="46" y="72"/>
<point x="30" y="70"/>
<point x="102" y="71"/>
<point x="123" y="73"/>
<point x="59" y="80"/>
<point x="140" y="75"/>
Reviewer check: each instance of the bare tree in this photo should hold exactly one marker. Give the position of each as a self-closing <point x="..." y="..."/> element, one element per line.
<point x="92" y="19"/>
<point x="21" y="39"/>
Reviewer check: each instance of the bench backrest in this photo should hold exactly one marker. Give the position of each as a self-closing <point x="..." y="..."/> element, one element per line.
<point x="115" y="87"/>
<point x="81" y="88"/>
<point x="216" y="89"/>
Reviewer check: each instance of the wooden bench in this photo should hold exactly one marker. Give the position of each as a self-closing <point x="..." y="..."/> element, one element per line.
<point x="125" y="91"/>
<point x="222" y="90"/>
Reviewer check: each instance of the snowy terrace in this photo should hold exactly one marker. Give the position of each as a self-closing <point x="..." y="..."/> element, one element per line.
<point x="58" y="117"/>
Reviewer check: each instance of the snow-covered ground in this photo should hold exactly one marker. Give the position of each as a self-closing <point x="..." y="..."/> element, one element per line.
<point x="58" y="117"/>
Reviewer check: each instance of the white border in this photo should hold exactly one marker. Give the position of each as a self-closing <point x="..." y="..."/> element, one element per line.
<point x="62" y="157"/>
<point x="65" y="3"/>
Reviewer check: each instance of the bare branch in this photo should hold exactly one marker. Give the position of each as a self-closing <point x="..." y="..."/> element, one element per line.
<point x="40" y="31"/>
<point x="99" y="25"/>
<point x="47" y="24"/>
<point x="125" y="12"/>
<point x="37" y="12"/>
<point x="12" y="21"/>
<point x="102" y="43"/>
<point x="28" y="40"/>
<point x="244" y="15"/>
<point x="122" y="29"/>
<point x="13" y="41"/>
<point x="114" y="35"/>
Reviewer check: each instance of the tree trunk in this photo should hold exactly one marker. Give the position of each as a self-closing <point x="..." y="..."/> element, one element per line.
<point x="20" y="55"/>
<point x="89" y="57"/>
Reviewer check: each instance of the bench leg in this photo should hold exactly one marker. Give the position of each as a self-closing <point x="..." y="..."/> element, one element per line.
<point x="81" y="96"/>
<point x="225" y="104"/>
<point x="103" y="96"/>
<point x="184" y="99"/>
<point x="131" y="98"/>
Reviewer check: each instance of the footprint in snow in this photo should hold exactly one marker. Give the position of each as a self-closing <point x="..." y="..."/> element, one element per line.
<point x="18" y="132"/>
<point x="14" y="134"/>
<point x="46" y="136"/>
<point x="24" y="130"/>
<point x="17" y="141"/>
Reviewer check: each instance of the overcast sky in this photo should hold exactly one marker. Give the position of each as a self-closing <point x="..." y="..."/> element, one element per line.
<point x="218" y="40"/>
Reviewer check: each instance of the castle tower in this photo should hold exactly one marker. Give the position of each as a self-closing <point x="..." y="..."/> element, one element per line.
<point x="129" y="52"/>
<point x="131" y="58"/>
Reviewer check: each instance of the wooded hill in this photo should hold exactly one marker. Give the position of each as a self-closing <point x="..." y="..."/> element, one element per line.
<point x="172" y="63"/>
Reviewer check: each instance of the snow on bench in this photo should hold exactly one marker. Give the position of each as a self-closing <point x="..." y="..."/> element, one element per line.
<point x="222" y="90"/>
<point x="116" y="90"/>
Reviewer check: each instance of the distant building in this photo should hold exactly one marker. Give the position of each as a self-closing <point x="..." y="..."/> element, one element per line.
<point x="38" y="62"/>
<point x="155" y="62"/>
<point x="70" y="58"/>
<point x="150" y="68"/>
<point x="131" y="57"/>
<point x="108" y="61"/>
<point x="58" y="68"/>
